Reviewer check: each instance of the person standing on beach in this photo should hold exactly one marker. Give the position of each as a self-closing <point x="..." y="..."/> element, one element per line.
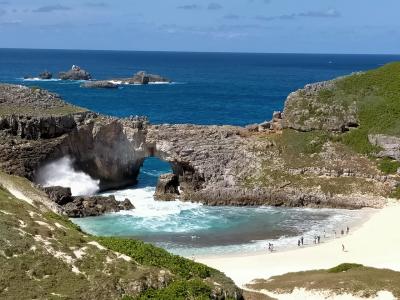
<point x="298" y="243"/>
<point x="302" y="240"/>
<point x="343" y="248"/>
<point x="319" y="239"/>
<point x="347" y="230"/>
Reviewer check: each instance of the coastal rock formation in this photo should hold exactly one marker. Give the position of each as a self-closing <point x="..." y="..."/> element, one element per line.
<point x="290" y="160"/>
<point x="390" y="145"/>
<point x="314" y="108"/>
<point x="45" y="75"/>
<point x="167" y="187"/>
<point x="76" y="73"/>
<point x="100" y="84"/>
<point x="78" y="206"/>
<point x="142" y="77"/>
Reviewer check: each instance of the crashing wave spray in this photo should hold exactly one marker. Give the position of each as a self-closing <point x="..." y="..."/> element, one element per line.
<point x="61" y="173"/>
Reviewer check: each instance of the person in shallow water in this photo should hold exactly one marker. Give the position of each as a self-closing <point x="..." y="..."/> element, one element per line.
<point x="302" y="240"/>
<point x="298" y="243"/>
<point x="347" y="230"/>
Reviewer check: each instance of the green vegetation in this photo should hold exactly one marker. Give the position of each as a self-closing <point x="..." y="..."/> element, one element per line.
<point x="147" y="254"/>
<point x="346" y="278"/>
<point x="180" y="290"/>
<point x="376" y="94"/>
<point x="46" y="256"/>
<point x="389" y="166"/>
<point x="344" y="267"/>
<point x="61" y="219"/>
<point x="396" y="193"/>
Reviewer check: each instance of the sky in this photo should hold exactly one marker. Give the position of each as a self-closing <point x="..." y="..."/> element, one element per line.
<point x="271" y="26"/>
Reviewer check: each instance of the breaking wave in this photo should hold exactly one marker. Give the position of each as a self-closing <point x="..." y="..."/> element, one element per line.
<point x="62" y="173"/>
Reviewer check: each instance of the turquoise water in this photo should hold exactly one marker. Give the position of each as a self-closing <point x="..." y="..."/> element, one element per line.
<point x="193" y="229"/>
<point x="207" y="88"/>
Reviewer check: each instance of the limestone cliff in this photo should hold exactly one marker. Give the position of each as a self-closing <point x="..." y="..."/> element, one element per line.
<point x="307" y="156"/>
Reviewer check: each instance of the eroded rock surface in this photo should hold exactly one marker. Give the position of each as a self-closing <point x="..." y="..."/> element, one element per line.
<point x="75" y="73"/>
<point x="167" y="187"/>
<point x="143" y="77"/>
<point x="312" y="108"/>
<point x="215" y="165"/>
<point x="99" y="84"/>
<point x="85" y="206"/>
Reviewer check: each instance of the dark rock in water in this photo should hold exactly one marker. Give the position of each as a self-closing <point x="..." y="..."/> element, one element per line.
<point x="91" y="206"/>
<point x="126" y="205"/>
<point x="76" y="73"/>
<point x="45" y="75"/>
<point x="142" y="77"/>
<point x="85" y="206"/>
<point x="58" y="194"/>
<point x="167" y="187"/>
<point x="101" y="84"/>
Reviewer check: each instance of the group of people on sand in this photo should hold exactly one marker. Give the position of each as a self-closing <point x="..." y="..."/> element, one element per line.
<point x="317" y="239"/>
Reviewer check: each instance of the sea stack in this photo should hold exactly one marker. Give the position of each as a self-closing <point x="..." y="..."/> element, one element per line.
<point x="75" y="73"/>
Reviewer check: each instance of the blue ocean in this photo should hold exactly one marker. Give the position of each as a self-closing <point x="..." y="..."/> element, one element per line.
<point x="206" y="88"/>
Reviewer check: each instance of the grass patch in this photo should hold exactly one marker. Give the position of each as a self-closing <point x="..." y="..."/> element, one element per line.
<point x="148" y="254"/>
<point x="388" y="166"/>
<point x="61" y="219"/>
<point x="344" y="267"/>
<point x="346" y="278"/>
<point x="376" y="94"/>
<point x="396" y="193"/>
<point x="180" y="290"/>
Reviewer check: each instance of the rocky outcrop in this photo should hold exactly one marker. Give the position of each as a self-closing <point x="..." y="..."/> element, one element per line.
<point x="314" y="108"/>
<point x="142" y="77"/>
<point x="76" y="73"/>
<point x="272" y="126"/>
<point x="216" y="165"/>
<point x="167" y="187"/>
<point x="45" y="75"/>
<point x="33" y="128"/>
<point x="100" y="84"/>
<point x="75" y="207"/>
<point x="390" y="145"/>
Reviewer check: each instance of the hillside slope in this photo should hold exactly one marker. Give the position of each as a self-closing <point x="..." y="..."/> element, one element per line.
<point x="45" y="256"/>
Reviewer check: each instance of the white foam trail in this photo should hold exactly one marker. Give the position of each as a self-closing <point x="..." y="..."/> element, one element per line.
<point x="62" y="173"/>
<point x="39" y="79"/>
<point x="147" y="207"/>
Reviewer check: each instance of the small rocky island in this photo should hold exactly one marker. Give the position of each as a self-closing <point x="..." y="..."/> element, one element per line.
<point x="75" y="73"/>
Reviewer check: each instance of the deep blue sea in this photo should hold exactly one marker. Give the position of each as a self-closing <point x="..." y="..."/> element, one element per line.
<point x="207" y="88"/>
<point x="210" y="88"/>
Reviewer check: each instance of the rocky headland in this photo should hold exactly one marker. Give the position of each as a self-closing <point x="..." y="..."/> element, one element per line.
<point x="304" y="156"/>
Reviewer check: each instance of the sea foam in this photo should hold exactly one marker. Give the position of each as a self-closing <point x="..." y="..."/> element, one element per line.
<point x="61" y="173"/>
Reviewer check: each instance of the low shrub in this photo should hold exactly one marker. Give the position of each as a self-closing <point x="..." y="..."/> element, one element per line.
<point x="344" y="267"/>
<point x="148" y="254"/>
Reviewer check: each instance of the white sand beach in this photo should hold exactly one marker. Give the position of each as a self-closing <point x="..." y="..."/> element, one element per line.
<point x="375" y="243"/>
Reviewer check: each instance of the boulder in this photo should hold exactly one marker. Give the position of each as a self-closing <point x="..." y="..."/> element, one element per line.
<point x="167" y="187"/>
<point x="58" y="194"/>
<point x="390" y="145"/>
<point x="100" y="84"/>
<point x="45" y="75"/>
<point x="76" y="73"/>
<point x="126" y="205"/>
<point x="91" y="206"/>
